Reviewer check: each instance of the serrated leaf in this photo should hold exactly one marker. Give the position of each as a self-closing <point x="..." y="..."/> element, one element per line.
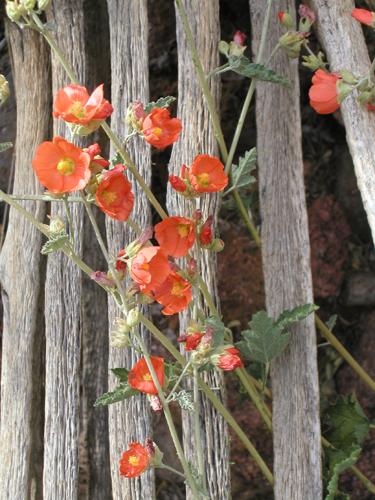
<point x="4" y="146"/>
<point x="120" y="393"/>
<point x="290" y="316"/>
<point x="348" y="429"/>
<point x="121" y="374"/>
<point x="264" y="339"/>
<point x="116" y="159"/>
<point x="163" y="102"/>
<point x="338" y="462"/>
<point x="54" y="244"/>
<point x="241" y="173"/>
<point x="348" y="422"/>
<point x="243" y="66"/>
<point x="184" y="399"/>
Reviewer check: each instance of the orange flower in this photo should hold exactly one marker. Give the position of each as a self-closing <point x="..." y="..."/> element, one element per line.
<point x="159" y="129"/>
<point x="175" y="235"/>
<point x="114" y="195"/>
<point x="207" y="174"/>
<point x="323" y="93"/>
<point x="140" y="377"/>
<point x="74" y="104"/>
<point x="61" y="167"/>
<point x="364" y="16"/>
<point x="174" y="294"/>
<point x="134" y="461"/>
<point x="192" y="340"/>
<point x="150" y="268"/>
<point x="230" y="359"/>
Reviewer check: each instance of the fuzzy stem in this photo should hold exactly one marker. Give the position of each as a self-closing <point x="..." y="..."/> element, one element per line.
<point x="327" y="334"/>
<point x="181" y="376"/>
<point x="171" y="469"/>
<point x="254" y="396"/>
<point x="169" y="419"/>
<point x="197" y="430"/>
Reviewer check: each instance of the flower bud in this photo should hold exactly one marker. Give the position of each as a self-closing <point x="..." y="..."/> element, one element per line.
<point x="155" y="403"/>
<point x="307" y="13"/>
<point x="133" y="317"/>
<point x="192" y="267"/>
<point x="102" y="278"/>
<point x="28" y="4"/>
<point x="44" y="4"/>
<point x="292" y="41"/>
<point x="239" y="38"/>
<point x="56" y="225"/>
<point x="314" y="62"/>
<point x="206" y="232"/>
<point x="135" y="115"/>
<point x="197" y="215"/>
<point x="224" y="48"/>
<point x="4" y="89"/>
<point x="285" y="19"/>
<point x="120" y="335"/>
<point x="84" y="130"/>
<point x="154" y="452"/>
<point x="177" y="183"/>
<point x="217" y="245"/>
<point x="14" y="11"/>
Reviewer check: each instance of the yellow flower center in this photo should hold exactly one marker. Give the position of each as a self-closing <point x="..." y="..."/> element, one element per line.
<point x="109" y="197"/>
<point x="203" y="179"/>
<point x="177" y="288"/>
<point x="145" y="266"/>
<point x="133" y="460"/>
<point x="77" y="110"/>
<point x="66" y="166"/>
<point x="183" y="230"/>
<point x="147" y="377"/>
<point x="157" y="131"/>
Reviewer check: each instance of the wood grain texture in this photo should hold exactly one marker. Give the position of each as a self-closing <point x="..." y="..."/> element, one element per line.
<point x="286" y="264"/>
<point x="63" y="294"/>
<point x="95" y="480"/>
<point x="129" y="420"/>
<point x="345" y="47"/>
<point x="21" y="274"/>
<point x="198" y="137"/>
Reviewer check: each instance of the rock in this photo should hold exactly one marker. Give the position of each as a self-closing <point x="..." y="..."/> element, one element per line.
<point x="360" y="289"/>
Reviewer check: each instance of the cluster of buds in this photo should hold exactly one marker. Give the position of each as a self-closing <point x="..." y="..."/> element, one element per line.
<point x="120" y="335"/>
<point x="236" y="47"/>
<point x="201" y="341"/>
<point x="293" y="39"/>
<point x="4" y="89"/>
<point x="17" y="9"/>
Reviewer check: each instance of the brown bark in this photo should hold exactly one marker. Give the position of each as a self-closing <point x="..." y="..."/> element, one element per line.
<point x="129" y="420"/>
<point x="286" y="263"/>
<point x="21" y="274"/>
<point x="344" y="43"/>
<point x="198" y="137"/>
<point x="63" y="294"/>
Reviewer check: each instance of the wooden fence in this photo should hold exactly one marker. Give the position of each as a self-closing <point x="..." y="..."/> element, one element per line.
<point x="55" y="350"/>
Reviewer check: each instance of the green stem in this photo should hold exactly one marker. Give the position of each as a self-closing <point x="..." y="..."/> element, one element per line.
<point x="327" y="334"/>
<point x="186" y="367"/>
<point x="168" y="417"/>
<point x="212" y="397"/>
<point x="197" y="430"/>
<point x="208" y="297"/>
<point x="171" y="469"/>
<point x="254" y="396"/>
<point x="70" y="221"/>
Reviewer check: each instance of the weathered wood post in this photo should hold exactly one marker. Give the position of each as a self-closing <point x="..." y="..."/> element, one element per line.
<point x="129" y="420"/>
<point x="345" y="46"/>
<point x="198" y="137"/>
<point x="286" y="263"/>
<point x="63" y="295"/>
<point x="21" y="274"/>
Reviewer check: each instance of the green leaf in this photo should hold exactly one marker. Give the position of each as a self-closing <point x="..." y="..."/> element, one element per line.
<point x="163" y="102"/>
<point x="290" y="316"/>
<point x="348" y="422"/>
<point x="55" y="243"/>
<point x="241" y="173"/>
<point x="242" y="66"/>
<point x="348" y="427"/>
<point x="121" y="374"/>
<point x="264" y="340"/>
<point x="120" y="393"/>
<point x="4" y="146"/>
<point x="338" y="462"/>
<point x="331" y="321"/>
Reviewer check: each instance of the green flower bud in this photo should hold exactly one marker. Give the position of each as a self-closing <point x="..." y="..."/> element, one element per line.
<point x="4" y="89"/>
<point x="44" y="4"/>
<point x="28" y="4"/>
<point x="13" y="11"/>
<point x="133" y="317"/>
<point x="56" y="225"/>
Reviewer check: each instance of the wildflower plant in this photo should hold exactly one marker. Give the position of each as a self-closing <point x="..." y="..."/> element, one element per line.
<point x="166" y="272"/>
